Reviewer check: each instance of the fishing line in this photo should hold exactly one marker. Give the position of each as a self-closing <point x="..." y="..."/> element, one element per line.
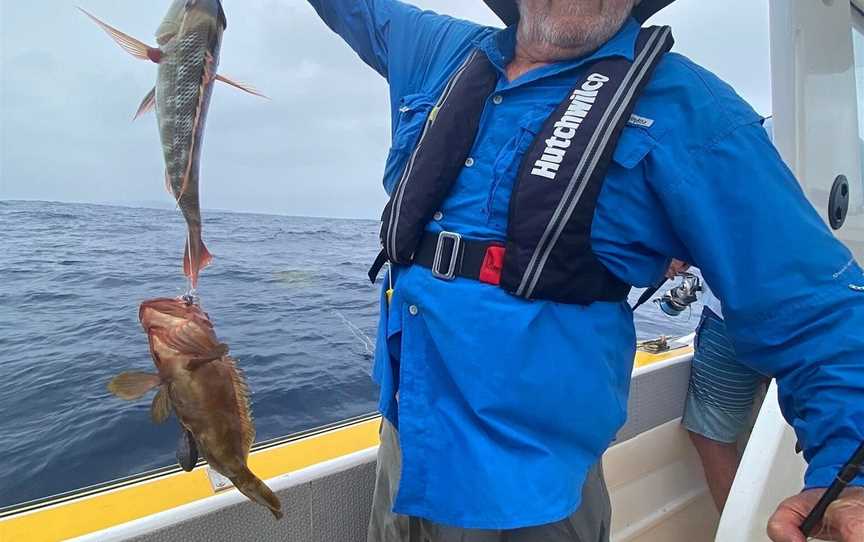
<point x="190" y="292"/>
<point x="359" y="334"/>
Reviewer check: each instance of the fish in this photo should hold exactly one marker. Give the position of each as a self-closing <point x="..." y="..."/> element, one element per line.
<point x="189" y="42"/>
<point x="200" y="382"/>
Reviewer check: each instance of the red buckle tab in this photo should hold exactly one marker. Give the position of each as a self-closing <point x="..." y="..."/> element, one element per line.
<point x="493" y="264"/>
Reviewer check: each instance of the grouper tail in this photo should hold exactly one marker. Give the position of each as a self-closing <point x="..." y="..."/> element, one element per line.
<point x="196" y="256"/>
<point x="256" y="490"/>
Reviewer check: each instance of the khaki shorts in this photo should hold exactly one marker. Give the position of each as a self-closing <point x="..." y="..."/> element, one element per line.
<point x="588" y="524"/>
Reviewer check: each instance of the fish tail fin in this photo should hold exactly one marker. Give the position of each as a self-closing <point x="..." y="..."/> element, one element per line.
<point x="131" y="386"/>
<point x="196" y="257"/>
<point x="251" y="486"/>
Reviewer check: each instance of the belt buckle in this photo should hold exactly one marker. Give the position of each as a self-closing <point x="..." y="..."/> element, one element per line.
<point x="450" y="274"/>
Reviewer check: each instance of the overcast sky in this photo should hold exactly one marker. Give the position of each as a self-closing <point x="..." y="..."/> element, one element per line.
<point x="317" y="149"/>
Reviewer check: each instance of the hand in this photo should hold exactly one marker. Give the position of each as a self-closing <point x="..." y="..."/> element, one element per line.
<point x="676" y="267"/>
<point x="843" y="521"/>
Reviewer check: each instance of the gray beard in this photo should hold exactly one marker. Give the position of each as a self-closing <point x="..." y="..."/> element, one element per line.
<point x="541" y="28"/>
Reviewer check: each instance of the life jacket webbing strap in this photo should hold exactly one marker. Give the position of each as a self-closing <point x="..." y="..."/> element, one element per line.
<point x="613" y="119"/>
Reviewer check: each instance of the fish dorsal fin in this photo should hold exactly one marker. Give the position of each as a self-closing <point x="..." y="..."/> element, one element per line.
<point x="147" y="104"/>
<point x="241" y="395"/>
<point x="161" y="407"/>
<point x="222" y="18"/>
<point x="131" y="386"/>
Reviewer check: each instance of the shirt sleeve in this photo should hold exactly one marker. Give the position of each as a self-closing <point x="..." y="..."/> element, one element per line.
<point x="396" y="39"/>
<point x="791" y="292"/>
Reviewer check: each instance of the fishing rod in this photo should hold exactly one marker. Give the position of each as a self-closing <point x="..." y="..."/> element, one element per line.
<point x="846" y="476"/>
<point x="647" y="294"/>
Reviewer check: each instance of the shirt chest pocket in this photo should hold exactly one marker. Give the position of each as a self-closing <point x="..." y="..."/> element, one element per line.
<point x="508" y="163"/>
<point x="635" y="143"/>
<point x="408" y="124"/>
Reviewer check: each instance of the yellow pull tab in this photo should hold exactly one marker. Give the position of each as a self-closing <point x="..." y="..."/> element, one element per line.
<point x="389" y="292"/>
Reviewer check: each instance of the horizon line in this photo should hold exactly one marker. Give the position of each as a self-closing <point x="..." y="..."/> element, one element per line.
<point x="167" y="207"/>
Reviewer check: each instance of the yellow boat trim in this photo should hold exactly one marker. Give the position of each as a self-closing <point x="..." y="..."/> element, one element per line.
<point x="644" y="359"/>
<point x="118" y="506"/>
<point x="114" y="506"/>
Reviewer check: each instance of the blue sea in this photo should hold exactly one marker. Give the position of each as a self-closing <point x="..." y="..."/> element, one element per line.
<point x="288" y="294"/>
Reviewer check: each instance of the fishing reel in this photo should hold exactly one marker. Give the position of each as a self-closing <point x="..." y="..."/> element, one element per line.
<point x="680" y="297"/>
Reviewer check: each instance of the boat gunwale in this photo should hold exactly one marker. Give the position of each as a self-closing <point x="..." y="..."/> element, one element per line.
<point x="643" y="362"/>
<point x="119" y="483"/>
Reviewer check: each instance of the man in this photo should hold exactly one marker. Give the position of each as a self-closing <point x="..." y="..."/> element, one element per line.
<point x="525" y="199"/>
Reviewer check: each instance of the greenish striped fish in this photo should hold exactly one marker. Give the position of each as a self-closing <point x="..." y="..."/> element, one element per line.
<point x="189" y="40"/>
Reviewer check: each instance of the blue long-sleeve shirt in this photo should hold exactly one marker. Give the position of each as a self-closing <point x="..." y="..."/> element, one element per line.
<point x="504" y="404"/>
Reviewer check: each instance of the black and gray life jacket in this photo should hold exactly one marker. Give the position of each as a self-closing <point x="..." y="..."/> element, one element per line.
<point x="547" y="252"/>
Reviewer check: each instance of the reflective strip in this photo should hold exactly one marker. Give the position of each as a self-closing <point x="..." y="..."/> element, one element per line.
<point x="396" y="208"/>
<point x="534" y="269"/>
<point x="556" y="225"/>
<point x="608" y="134"/>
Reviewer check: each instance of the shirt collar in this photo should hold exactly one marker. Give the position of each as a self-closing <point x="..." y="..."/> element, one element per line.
<point x="500" y="46"/>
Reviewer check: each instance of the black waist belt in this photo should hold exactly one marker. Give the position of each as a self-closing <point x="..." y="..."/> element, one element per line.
<point x="449" y="255"/>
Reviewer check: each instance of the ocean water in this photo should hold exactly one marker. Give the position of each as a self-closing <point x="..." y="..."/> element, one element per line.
<point x="288" y="294"/>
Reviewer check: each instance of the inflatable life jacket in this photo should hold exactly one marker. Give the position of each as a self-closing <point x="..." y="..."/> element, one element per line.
<point x="547" y="252"/>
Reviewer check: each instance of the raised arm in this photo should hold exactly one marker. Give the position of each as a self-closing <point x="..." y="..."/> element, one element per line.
<point x="364" y="25"/>
<point x="396" y="39"/>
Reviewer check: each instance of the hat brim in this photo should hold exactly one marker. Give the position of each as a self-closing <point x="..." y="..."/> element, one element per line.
<point x="508" y="11"/>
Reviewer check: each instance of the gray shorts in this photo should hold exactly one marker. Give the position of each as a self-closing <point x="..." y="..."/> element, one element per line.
<point x="588" y="524"/>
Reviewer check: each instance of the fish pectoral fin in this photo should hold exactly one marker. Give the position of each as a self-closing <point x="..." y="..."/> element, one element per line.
<point x="161" y="407"/>
<point x="132" y="46"/>
<point x="187" y="450"/>
<point x="131" y="386"/>
<point x="216" y="353"/>
<point x="147" y="104"/>
<point x="197" y="363"/>
<point x="242" y="86"/>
